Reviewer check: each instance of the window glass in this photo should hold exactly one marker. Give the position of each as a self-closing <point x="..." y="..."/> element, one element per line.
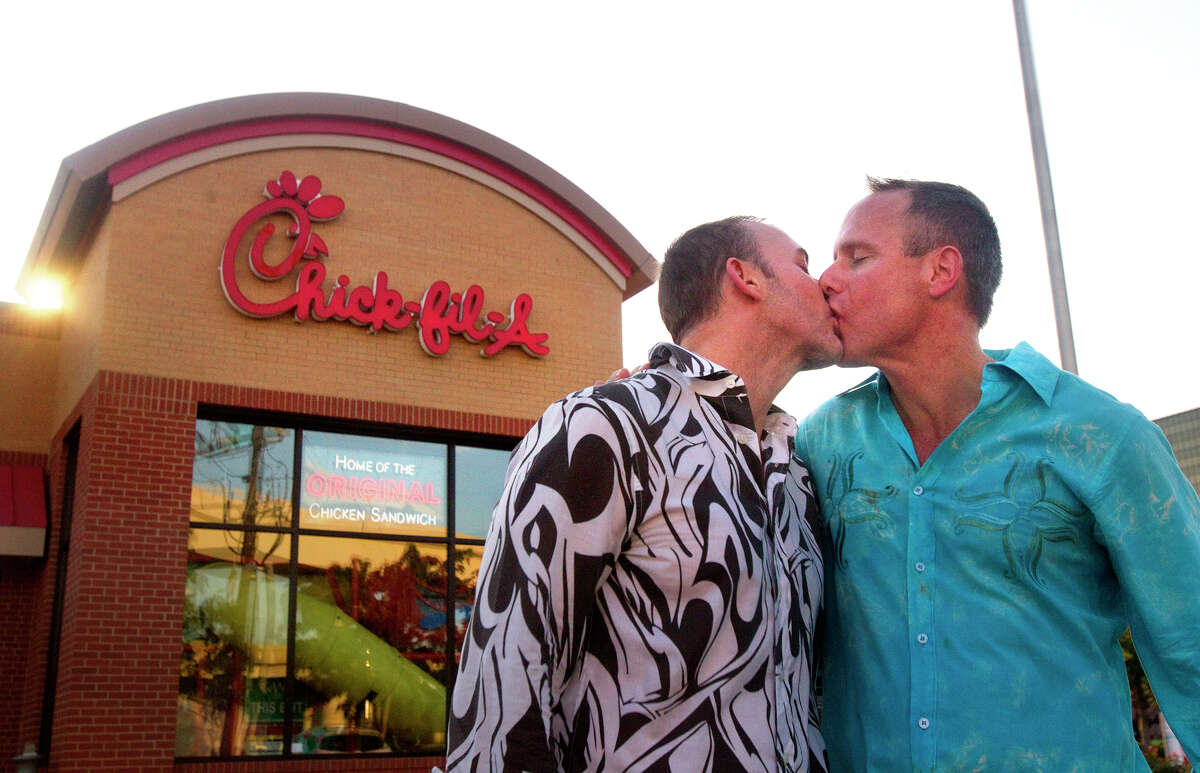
<point x="370" y="645"/>
<point x="234" y="655"/>
<point x="478" y="483"/>
<point x="374" y="485"/>
<point x="263" y="548"/>
<point x="242" y="474"/>
<point x="372" y="598"/>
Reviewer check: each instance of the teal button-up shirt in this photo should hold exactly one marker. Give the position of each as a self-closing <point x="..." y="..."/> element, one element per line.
<point x="974" y="602"/>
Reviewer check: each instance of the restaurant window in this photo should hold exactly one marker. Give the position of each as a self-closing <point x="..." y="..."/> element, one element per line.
<point x="330" y="580"/>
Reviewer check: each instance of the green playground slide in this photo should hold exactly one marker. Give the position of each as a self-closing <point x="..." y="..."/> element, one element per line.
<point x="334" y="654"/>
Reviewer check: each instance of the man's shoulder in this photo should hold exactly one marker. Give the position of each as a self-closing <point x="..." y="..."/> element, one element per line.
<point x="1110" y="422"/>
<point x="631" y="396"/>
<point x="648" y="381"/>
<point x="1075" y="397"/>
<point x="1064" y="393"/>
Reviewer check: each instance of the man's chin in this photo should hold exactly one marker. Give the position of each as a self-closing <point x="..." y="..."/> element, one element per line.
<point x="830" y="357"/>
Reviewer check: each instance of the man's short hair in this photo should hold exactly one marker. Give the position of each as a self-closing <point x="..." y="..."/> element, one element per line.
<point x="944" y="214"/>
<point x="689" y="284"/>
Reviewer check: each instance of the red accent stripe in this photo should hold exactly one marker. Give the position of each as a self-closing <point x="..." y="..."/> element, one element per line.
<point x="29" y="496"/>
<point x="269" y="127"/>
<point x="22" y="496"/>
<point x="7" y="517"/>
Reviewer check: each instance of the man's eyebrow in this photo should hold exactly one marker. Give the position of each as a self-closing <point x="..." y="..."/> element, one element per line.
<point x="853" y="244"/>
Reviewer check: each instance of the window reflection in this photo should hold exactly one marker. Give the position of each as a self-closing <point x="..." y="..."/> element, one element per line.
<point x="372" y="598"/>
<point x="242" y="474"/>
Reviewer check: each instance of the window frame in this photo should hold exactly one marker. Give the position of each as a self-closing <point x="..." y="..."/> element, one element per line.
<point x="298" y="424"/>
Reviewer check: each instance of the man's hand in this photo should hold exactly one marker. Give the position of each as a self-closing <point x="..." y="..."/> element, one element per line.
<point x="621" y="373"/>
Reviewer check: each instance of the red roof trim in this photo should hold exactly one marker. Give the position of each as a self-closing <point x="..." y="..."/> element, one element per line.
<point x="268" y="127"/>
<point x="22" y="496"/>
<point x="7" y="515"/>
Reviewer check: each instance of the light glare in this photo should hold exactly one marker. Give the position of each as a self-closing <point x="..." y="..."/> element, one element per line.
<point x="45" y="294"/>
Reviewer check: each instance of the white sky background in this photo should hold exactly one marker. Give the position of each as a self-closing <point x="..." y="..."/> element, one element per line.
<point x="672" y="114"/>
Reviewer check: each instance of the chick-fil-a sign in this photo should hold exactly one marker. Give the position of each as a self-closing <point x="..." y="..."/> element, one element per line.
<point x="440" y="312"/>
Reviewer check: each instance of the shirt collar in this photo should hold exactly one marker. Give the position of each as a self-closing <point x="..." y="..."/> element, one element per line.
<point x="722" y="388"/>
<point x="1025" y="361"/>
<point x="691" y="364"/>
<point x="1022" y="359"/>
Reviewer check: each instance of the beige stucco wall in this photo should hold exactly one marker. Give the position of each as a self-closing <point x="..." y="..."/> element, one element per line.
<point x="164" y="312"/>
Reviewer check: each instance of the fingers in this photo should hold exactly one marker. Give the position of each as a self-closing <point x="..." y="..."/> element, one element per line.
<point x="617" y="375"/>
<point x="621" y="373"/>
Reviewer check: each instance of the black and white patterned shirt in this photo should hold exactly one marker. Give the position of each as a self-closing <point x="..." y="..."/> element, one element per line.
<point x="649" y="588"/>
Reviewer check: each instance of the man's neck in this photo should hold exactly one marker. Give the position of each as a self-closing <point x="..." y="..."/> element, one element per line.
<point x="764" y="373"/>
<point x="935" y="384"/>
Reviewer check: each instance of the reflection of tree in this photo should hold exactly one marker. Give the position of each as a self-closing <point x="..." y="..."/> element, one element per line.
<point x="205" y="665"/>
<point x="254" y="486"/>
<point x="402" y="602"/>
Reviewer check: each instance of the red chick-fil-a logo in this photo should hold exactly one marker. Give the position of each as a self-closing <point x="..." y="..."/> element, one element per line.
<point x="439" y="313"/>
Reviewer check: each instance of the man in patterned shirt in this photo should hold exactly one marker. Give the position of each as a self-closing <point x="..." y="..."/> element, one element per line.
<point x="994" y="524"/>
<point x="651" y="581"/>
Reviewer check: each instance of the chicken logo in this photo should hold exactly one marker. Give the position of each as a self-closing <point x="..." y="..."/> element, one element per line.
<point x="440" y="312"/>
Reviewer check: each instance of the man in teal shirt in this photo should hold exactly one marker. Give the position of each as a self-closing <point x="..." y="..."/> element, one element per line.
<point x="994" y="524"/>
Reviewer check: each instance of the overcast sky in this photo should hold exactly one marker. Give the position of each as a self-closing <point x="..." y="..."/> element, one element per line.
<point x="671" y="114"/>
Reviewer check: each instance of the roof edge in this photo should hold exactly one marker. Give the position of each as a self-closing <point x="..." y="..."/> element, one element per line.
<point x="72" y="193"/>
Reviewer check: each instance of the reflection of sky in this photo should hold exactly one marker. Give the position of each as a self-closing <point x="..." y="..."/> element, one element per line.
<point x="221" y="465"/>
<point x="271" y="548"/>
<point x="318" y="553"/>
<point x="478" y="483"/>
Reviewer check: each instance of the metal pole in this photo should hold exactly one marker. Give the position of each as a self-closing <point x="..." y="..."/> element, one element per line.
<point x="1041" y="163"/>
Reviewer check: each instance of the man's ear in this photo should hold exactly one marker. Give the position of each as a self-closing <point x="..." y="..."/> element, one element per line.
<point x="745" y="276"/>
<point x="945" y="271"/>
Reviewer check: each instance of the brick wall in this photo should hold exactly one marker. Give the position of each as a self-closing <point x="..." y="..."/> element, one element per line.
<point x="19" y="582"/>
<point x="37" y="626"/>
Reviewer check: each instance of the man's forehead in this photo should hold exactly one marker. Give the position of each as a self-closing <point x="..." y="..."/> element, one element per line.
<point x="772" y="236"/>
<point x="886" y="204"/>
<point x="873" y="218"/>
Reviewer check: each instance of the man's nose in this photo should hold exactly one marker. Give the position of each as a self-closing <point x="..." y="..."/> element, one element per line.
<point x="829" y="280"/>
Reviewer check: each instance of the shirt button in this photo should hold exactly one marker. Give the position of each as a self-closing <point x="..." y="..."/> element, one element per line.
<point x="919" y="490"/>
<point x="920" y="566"/>
<point x="923" y="723"/>
<point x="922" y="638"/>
